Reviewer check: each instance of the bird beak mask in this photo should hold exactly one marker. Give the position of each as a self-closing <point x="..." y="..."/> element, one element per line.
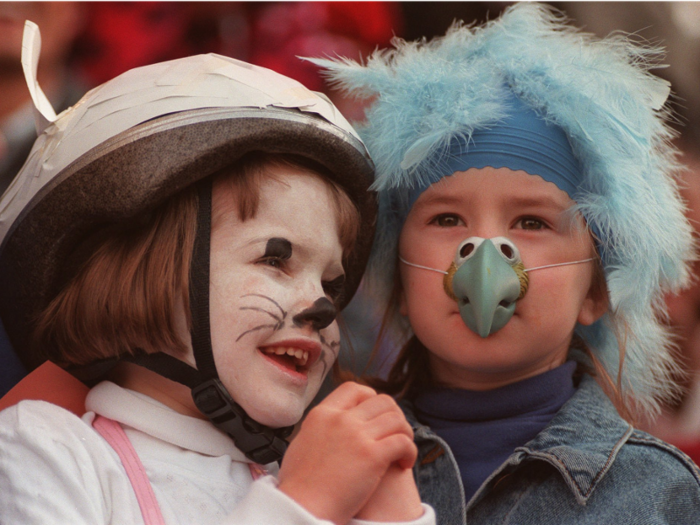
<point x="486" y="278"/>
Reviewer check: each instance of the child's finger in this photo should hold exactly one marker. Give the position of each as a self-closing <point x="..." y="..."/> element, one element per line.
<point x="399" y="449"/>
<point x="387" y="424"/>
<point x="348" y="395"/>
<point x="375" y="406"/>
<point x="396" y="499"/>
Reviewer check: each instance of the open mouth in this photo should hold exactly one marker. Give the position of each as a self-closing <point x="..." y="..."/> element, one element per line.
<point x="294" y="359"/>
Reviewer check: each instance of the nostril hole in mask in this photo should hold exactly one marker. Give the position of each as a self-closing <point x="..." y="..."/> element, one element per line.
<point x="507" y="251"/>
<point x="465" y="300"/>
<point x="466" y="250"/>
<point x="505" y="304"/>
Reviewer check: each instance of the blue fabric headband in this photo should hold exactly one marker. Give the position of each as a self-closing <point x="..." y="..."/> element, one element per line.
<point x="521" y="141"/>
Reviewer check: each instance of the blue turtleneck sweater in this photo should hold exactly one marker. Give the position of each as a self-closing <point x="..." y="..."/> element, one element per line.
<point x="483" y="428"/>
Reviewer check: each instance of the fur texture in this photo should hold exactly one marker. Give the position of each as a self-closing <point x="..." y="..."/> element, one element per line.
<point x="611" y="107"/>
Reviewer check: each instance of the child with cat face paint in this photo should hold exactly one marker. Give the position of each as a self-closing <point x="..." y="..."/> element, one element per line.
<point x="530" y="224"/>
<point x="183" y="239"/>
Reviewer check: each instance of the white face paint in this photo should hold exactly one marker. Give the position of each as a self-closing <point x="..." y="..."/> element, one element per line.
<point x="264" y="273"/>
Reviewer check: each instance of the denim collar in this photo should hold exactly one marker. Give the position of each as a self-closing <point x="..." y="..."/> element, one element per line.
<point x="581" y="442"/>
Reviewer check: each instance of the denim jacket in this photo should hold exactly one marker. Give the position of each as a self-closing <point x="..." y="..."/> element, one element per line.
<point x="588" y="466"/>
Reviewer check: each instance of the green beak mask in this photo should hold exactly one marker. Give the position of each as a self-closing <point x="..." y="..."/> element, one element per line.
<point x="486" y="278"/>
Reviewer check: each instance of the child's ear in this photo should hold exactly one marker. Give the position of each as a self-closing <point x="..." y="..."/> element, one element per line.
<point x="594" y="305"/>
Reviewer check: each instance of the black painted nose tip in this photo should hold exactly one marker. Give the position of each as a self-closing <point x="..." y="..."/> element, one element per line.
<point x="319" y="315"/>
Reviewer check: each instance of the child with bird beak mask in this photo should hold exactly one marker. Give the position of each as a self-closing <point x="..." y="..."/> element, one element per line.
<point x="529" y="226"/>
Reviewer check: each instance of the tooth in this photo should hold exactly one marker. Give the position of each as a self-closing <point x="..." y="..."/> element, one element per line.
<point x="297" y="353"/>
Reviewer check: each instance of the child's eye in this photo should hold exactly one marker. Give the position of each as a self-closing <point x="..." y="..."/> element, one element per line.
<point x="278" y="251"/>
<point x="447" y="220"/>
<point x="531" y="223"/>
<point x="334" y="289"/>
<point x="275" y="262"/>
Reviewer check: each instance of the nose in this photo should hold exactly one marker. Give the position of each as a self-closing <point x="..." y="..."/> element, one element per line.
<point x="318" y="316"/>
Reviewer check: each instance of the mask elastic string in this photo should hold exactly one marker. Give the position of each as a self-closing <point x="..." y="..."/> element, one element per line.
<point x="558" y="264"/>
<point x="527" y="269"/>
<point x="421" y="267"/>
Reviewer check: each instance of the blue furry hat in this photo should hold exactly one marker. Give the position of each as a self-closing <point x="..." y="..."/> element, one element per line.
<point x="600" y="92"/>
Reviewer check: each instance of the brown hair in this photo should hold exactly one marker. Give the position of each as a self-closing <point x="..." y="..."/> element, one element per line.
<point x="124" y="297"/>
<point x="411" y="370"/>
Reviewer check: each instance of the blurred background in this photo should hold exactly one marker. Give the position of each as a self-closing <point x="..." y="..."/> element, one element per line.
<point x="86" y="43"/>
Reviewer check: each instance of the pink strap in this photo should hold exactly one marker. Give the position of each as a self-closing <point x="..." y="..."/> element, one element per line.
<point x="257" y="470"/>
<point x="114" y="435"/>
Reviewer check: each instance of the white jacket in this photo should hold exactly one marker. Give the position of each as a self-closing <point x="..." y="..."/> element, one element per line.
<point x="56" y="469"/>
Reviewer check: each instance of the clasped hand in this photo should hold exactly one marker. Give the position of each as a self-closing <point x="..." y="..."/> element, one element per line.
<point x="353" y="458"/>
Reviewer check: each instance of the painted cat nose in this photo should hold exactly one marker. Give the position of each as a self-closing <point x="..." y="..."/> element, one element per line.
<point x="319" y="315"/>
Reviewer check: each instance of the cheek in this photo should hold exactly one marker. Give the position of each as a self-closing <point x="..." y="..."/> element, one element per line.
<point x="235" y="280"/>
<point x="240" y="290"/>
<point x="557" y="293"/>
<point x="414" y="290"/>
<point x="424" y="300"/>
<point x="428" y="252"/>
<point x="330" y="347"/>
<point x="240" y="302"/>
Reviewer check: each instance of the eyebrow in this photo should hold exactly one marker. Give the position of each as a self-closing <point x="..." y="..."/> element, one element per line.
<point x="430" y="200"/>
<point x="540" y="201"/>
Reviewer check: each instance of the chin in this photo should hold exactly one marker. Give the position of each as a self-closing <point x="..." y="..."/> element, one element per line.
<point x="276" y="415"/>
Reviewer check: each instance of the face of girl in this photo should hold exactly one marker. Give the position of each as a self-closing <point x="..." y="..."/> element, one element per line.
<point x="273" y="281"/>
<point x="533" y="214"/>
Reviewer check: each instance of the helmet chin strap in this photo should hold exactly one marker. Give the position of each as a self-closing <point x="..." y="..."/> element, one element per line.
<point x="258" y="442"/>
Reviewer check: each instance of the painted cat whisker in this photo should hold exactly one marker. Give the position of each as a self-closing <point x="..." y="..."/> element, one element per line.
<point x="257" y="328"/>
<point x="275" y="317"/>
<point x="284" y="314"/>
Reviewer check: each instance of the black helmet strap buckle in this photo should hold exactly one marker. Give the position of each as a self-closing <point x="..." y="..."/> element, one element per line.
<point x="258" y="442"/>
